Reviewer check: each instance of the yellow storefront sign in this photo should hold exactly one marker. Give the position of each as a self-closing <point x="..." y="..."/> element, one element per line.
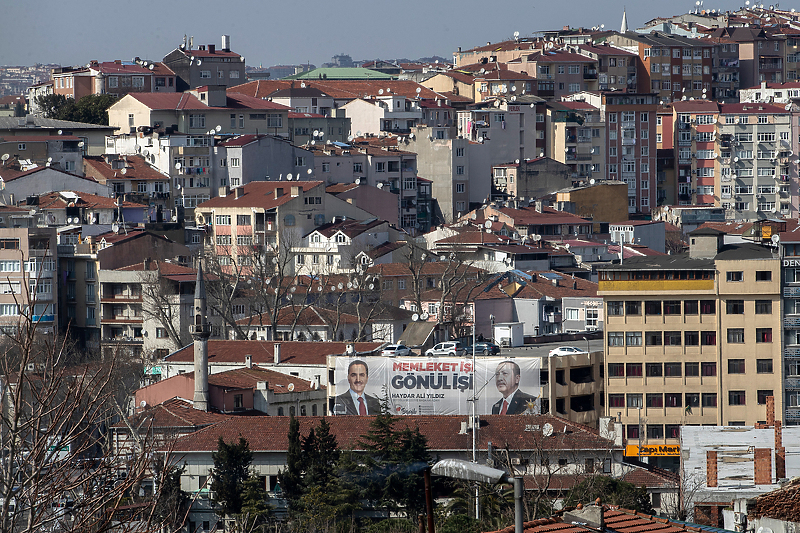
<point x="655" y="450"/>
<point x="766" y="232"/>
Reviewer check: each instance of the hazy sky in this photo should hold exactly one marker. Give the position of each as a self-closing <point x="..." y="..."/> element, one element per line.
<point x="272" y="32"/>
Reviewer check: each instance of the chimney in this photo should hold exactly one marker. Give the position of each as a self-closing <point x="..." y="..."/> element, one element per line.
<point x="248" y="361"/>
<point x="295" y="190"/>
<point x="276" y="352"/>
<point x="538" y="206"/>
<point x="574" y="285"/>
<point x="224" y="191"/>
<point x="212" y="48"/>
<point x="239" y="191"/>
<point x="711" y="468"/>
<point x="146" y="263"/>
<point x="771" y="412"/>
<point x="318" y="380"/>
<point x="762" y="466"/>
<point x="278" y="192"/>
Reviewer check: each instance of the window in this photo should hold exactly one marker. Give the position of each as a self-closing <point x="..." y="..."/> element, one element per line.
<point x="632" y="431"/>
<point x="634" y="401"/>
<point x="9" y="309"/>
<point x="763" y="395"/>
<point x="736" y="335"/>
<point x="652" y="307"/>
<point x="654" y="370"/>
<point x="9" y="266"/>
<point x="734" y="307"/>
<point x="571" y="314"/>
<point x="764" y="366"/>
<point x="655" y="399"/>
<point x="222" y="220"/>
<point x="197" y="120"/>
<point x="460" y="187"/>
<point x="300" y="259"/>
<point x="672" y="307"/>
<point x="616" y="400"/>
<point x="735" y="366"/>
<point x="460" y="170"/>
<point x="691" y="338"/>
<point x="358" y="167"/>
<point x="653" y="338"/>
<point x="672" y="370"/>
<point x="633" y="308"/>
<point x="708" y="338"/>
<point x="616" y="370"/>
<point x="735" y="276"/>
<point x="633" y="338"/>
<point x="633" y="370"/>
<point x="736" y="397"/>
<point x="299" y="161"/>
<point x="763" y="334"/>
<point x="691" y="369"/>
<point x="673" y="399"/>
<point x="763" y="307"/>
<point x="709" y="399"/>
<point x="763" y="275"/>
<point x="274" y="120"/>
<point x="616" y="338"/>
<point x="672" y="338"/>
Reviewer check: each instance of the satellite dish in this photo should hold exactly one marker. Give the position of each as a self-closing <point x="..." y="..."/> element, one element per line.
<point x="358" y="181"/>
<point x="124" y="170"/>
<point x="415" y="317"/>
<point x="5" y="157"/>
<point x="380" y="91"/>
<point x="424" y="316"/>
<point x="218" y="128"/>
<point x="358" y="134"/>
<point x="81" y="144"/>
<point x="290" y="387"/>
<point x="60" y="132"/>
<point x="480" y="140"/>
<point x="302" y="85"/>
<point x="487" y="224"/>
<point x="178" y="187"/>
<point x="592" y="181"/>
<point x="49" y="159"/>
<point x="349" y="138"/>
<point x="776" y="238"/>
<point x="199" y="62"/>
<point x="177" y="166"/>
<point x="340" y="285"/>
<point x="547" y="429"/>
<point x="146" y="153"/>
<point x="32" y="212"/>
<point x="419" y="90"/>
<point x="380" y="185"/>
<point x="191" y="58"/>
<point x="142" y="404"/>
<point x="537" y="237"/>
<point x="313" y="143"/>
<point x="316" y="132"/>
<point x="309" y="171"/>
<point x="151" y="67"/>
<point x="289" y="176"/>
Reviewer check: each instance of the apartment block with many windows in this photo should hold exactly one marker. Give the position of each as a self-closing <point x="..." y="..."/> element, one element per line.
<point x="692" y="339"/>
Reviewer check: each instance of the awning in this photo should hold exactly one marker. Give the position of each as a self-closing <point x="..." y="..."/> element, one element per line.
<point x="417" y="333"/>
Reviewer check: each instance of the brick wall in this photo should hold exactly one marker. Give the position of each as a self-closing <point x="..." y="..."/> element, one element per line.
<point x="711" y="469"/>
<point x="763" y="466"/>
<point x="770" y="411"/>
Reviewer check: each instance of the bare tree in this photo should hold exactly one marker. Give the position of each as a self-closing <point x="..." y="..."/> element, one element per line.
<point x="161" y="302"/>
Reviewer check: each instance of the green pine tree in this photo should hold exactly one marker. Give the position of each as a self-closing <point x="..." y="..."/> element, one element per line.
<point x="290" y="478"/>
<point x="231" y="470"/>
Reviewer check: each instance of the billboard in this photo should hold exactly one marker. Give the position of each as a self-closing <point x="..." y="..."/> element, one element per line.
<point x="436" y="385"/>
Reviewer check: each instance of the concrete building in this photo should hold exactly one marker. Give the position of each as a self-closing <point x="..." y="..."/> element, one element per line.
<point x="115" y="78"/>
<point x="616" y="68"/>
<point x="576" y="137"/>
<point x="692" y="338"/>
<point x="631" y="146"/>
<point x="645" y="232"/>
<point x="605" y="202"/>
<point x="63" y="152"/>
<point x="790" y="276"/>
<point x="529" y="178"/>
<point x="206" y="65"/>
<point x="92" y="135"/>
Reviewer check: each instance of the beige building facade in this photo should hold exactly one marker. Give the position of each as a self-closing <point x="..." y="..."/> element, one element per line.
<point x="692" y="339"/>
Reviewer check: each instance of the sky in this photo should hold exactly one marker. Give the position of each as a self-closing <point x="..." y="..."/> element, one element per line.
<point x="293" y="32"/>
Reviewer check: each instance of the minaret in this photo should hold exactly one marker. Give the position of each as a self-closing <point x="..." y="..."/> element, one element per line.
<point x="201" y="331"/>
<point x="624" y="27"/>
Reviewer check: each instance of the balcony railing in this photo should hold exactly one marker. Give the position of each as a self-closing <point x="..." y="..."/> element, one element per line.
<point x="791" y="322"/>
<point x="791" y="292"/>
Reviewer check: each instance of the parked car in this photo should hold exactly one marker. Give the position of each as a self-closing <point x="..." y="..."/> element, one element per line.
<point x="394" y="350"/>
<point x="566" y="350"/>
<point x="452" y="348"/>
<point x="484" y="348"/>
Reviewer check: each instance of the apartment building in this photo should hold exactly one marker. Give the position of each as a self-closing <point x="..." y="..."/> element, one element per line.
<point x="631" y="145"/>
<point x="616" y="68"/>
<point x="576" y="137"/>
<point x="692" y="339"/>
<point x="725" y="74"/>
<point x="695" y="155"/>
<point x="206" y="65"/>
<point x="28" y="264"/>
<point x="116" y="78"/>
<point x="755" y="145"/>
<point x="557" y="72"/>
<point x="790" y="278"/>
<point x="671" y="66"/>
<point x="761" y="53"/>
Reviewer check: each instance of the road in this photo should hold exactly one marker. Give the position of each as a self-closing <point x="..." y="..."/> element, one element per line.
<point x="542" y="350"/>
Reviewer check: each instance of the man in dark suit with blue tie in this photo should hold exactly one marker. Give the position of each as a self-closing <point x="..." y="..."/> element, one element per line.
<point x="354" y="401"/>
<point x="514" y="401"/>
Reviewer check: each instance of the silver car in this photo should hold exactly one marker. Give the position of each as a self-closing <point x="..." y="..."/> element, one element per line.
<point x="396" y="350"/>
<point x="451" y="348"/>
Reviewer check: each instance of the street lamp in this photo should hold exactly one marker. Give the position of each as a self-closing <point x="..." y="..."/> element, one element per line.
<point x="460" y="469"/>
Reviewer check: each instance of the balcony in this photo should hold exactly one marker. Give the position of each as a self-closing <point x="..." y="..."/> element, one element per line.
<point x="589" y="74"/>
<point x="628" y="142"/>
<point x="792" y="383"/>
<point x="791" y="292"/>
<point x="123" y="339"/>
<point x="791" y="322"/>
<point x="552" y="318"/>
<point x="43" y="318"/>
<point x="792" y="351"/>
<point x="793" y="413"/>
<point x="76" y="249"/>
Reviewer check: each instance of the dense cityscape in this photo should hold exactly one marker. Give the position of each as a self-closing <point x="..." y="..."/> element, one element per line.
<point x="552" y="282"/>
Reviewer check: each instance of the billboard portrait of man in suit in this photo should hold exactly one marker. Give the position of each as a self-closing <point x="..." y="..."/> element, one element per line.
<point x="514" y="401"/>
<point x="354" y="401"/>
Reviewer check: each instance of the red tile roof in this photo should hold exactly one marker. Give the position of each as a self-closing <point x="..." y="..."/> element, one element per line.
<point x="292" y="352"/>
<point x="112" y="67"/>
<point x="615" y="519"/>
<point x="241" y="140"/>
<point x="781" y="504"/>
<point x="443" y="433"/>
<point x="605" y="50"/>
<point x="351" y="228"/>
<point x="559" y="56"/>
<point x="175" y="413"/>
<point x="526" y="216"/>
<point x="136" y="169"/>
<point x="543" y="287"/>
<point x="186" y="101"/>
<point x="247" y="378"/>
<point x="260" y="194"/>
<point x="304" y="316"/>
<point x="696" y="106"/>
<point x="339" y="89"/>
<point x="54" y="200"/>
<point x="755" y="109"/>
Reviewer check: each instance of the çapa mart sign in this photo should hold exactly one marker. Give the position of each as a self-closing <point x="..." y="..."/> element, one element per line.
<point x="436" y="385"/>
